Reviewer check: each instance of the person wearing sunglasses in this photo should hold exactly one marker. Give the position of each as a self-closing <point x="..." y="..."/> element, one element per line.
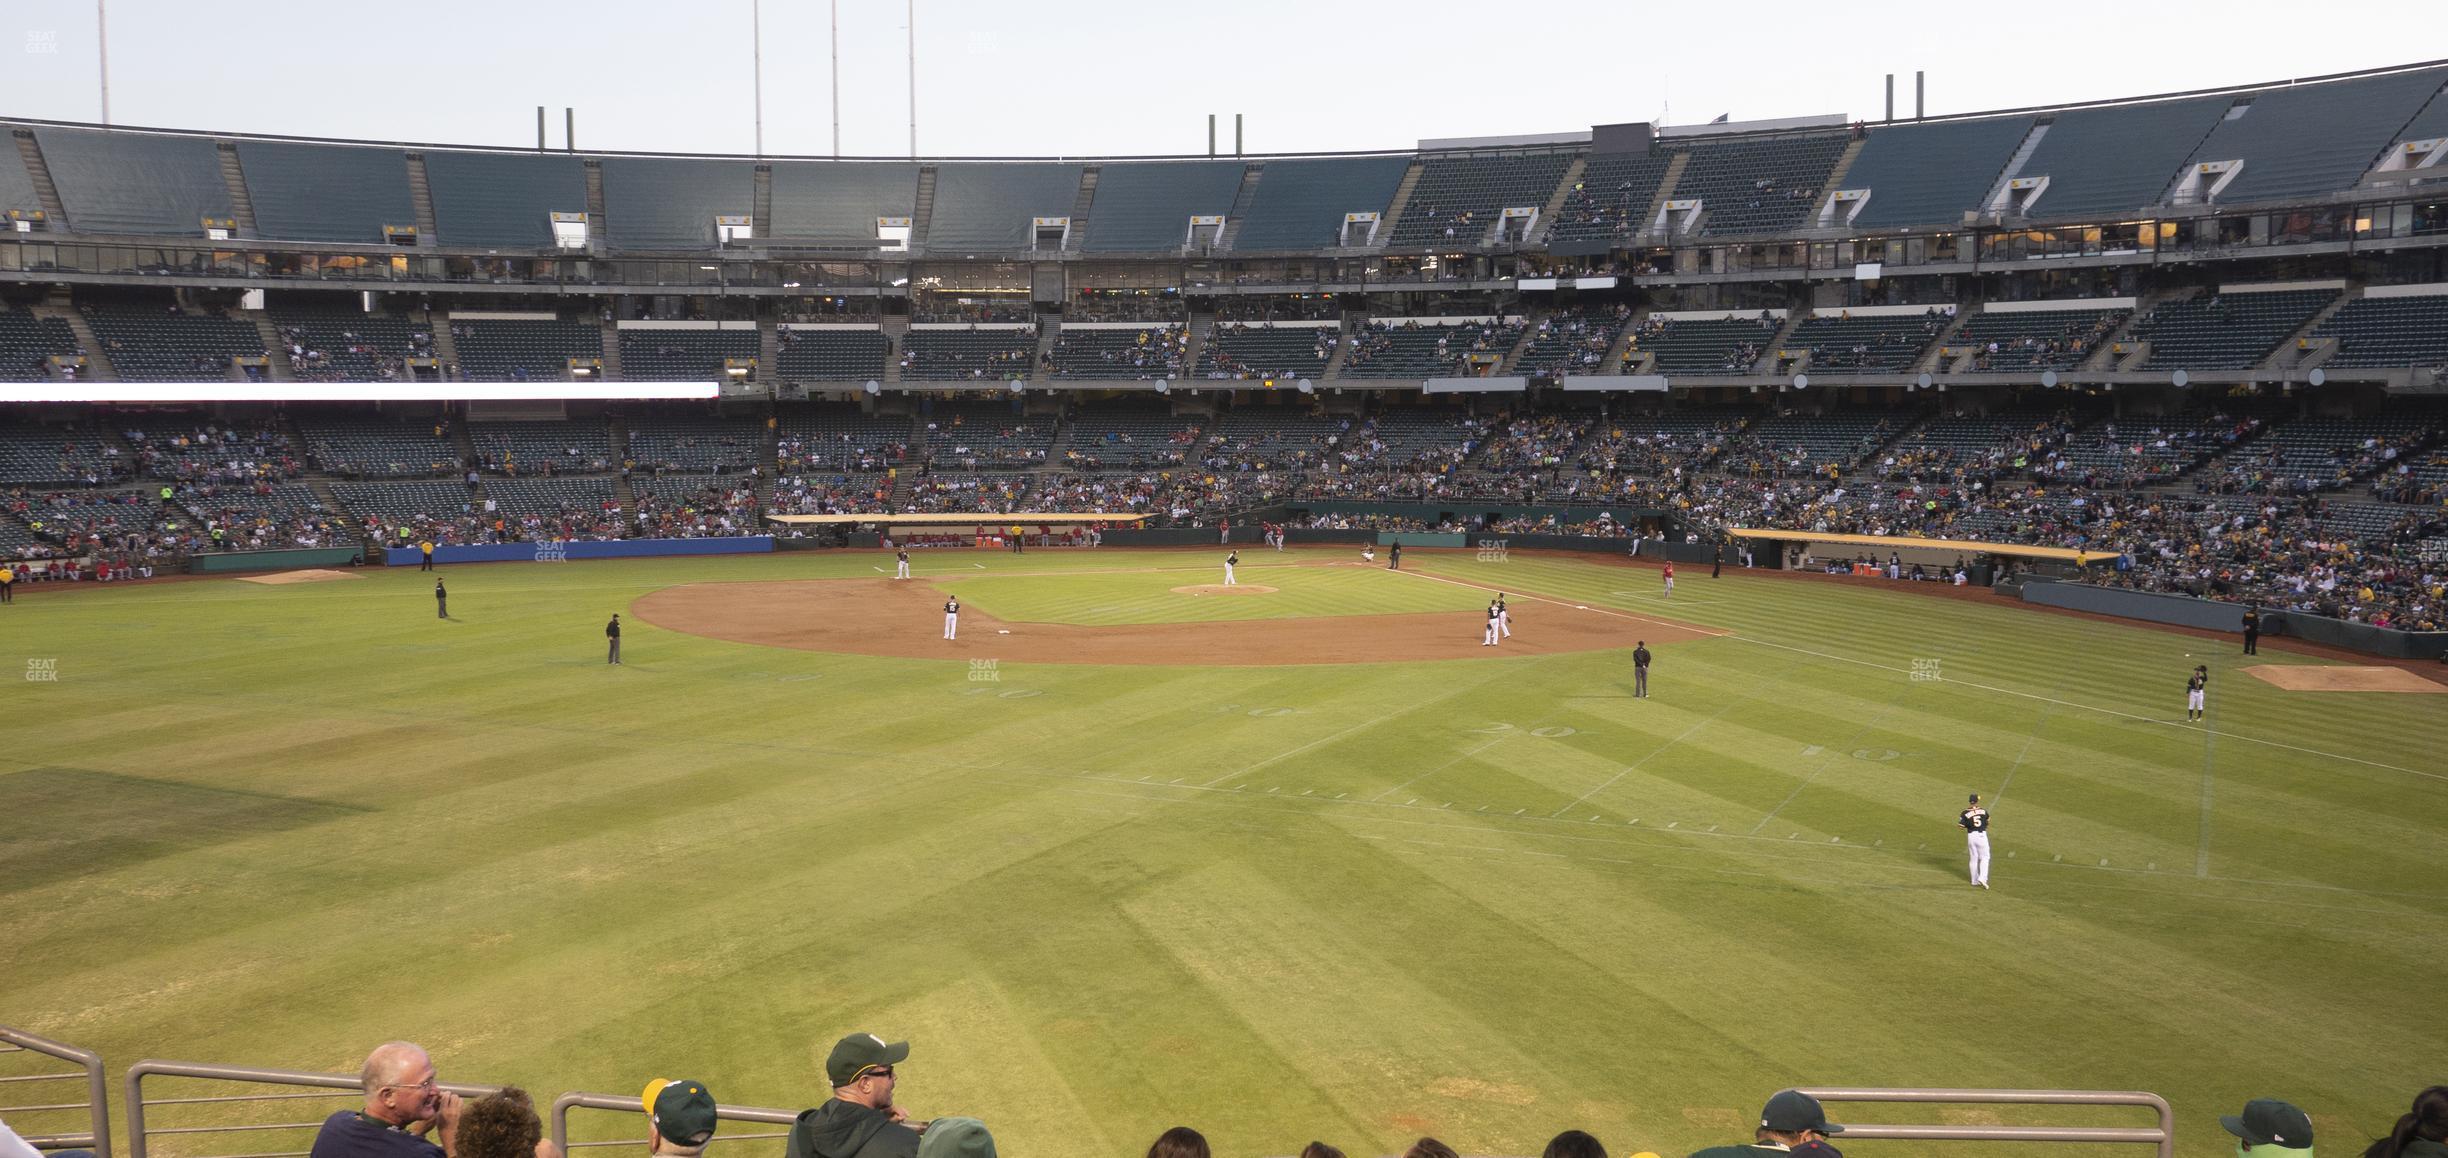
<point x="861" y="1119"/>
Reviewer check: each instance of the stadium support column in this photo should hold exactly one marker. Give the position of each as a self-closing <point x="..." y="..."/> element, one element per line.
<point x="1920" y="89"/>
<point x="102" y="54"/>
<point x="1891" y="96"/>
<point x="539" y="128"/>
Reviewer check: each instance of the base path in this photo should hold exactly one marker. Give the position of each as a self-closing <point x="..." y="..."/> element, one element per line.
<point x="905" y="619"/>
<point x="2311" y="678"/>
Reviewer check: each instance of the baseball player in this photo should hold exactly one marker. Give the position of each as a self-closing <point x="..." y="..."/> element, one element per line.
<point x="901" y="564"/>
<point x="1975" y="823"/>
<point x="1487" y="638"/>
<point x="1229" y="562"/>
<point x="1670" y="578"/>
<point x="2197" y="688"/>
<point x="1504" y="618"/>
<point x="952" y="617"/>
<point x="1368" y="553"/>
<point x="441" y="601"/>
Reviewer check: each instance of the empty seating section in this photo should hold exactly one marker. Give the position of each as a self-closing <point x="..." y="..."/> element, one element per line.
<point x="1704" y="345"/>
<point x="371" y="448"/>
<point x="85" y="514"/>
<point x="18" y="541"/>
<point x="2326" y="453"/>
<point x="1415" y="439"/>
<point x="502" y="199"/>
<point x="837" y="202"/>
<point x="520" y="497"/>
<point x="841" y="440"/>
<point x="988" y="206"/>
<point x="2229" y="331"/>
<point x="573" y="446"/>
<point x="241" y="517"/>
<point x="661" y="355"/>
<point x="1147" y="207"/>
<point x="379" y="505"/>
<point x="671" y="203"/>
<point x="972" y="435"/>
<point x="1262" y="351"/>
<point x="981" y="354"/>
<point x="2036" y="339"/>
<point x="147" y="345"/>
<point x="1138" y="353"/>
<point x="1458" y="199"/>
<point x="2138" y="451"/>
<point x="344" y="193"/>
<point x="822" y="355"/>
<point x="1758" y="186"/>
<point x="2117" y="159"/>
<point x="1119" y="435"/>
<point x="57" y="454"/>
<point x="17" y="187"/>
<point x="1614" y="200"/>
<point x="1930" y="174"/>
<point x="1976" y="446"/>
<point x="507" y="350"/>
<point x="1880" y="343"/>
<point x="348" y="345"/>
<point x="1573" y="341"/>
<point x="689" y="445"/>
<point x="1396" y="348"/>
<point x="2404" y="331"/>
<point x="194" y="449"/>
<point x="2316" y="138"/>
<point x="1271" y="438"/>
<point x="1300" y="204"/>
<point x="27" y="344"/>
<point x="1796" y="445"/>
<point x="120" y="182"/>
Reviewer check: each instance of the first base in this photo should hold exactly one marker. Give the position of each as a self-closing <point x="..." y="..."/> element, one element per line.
<point x="1003" y="631"/>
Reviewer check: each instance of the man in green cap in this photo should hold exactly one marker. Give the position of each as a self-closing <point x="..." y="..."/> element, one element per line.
<point x="2268" y="1126"/>
<point x="1791" y="1120"/>
<point x="682" y="1114"/>
<point x="860" y="1121"/>
<point x="956" y="1138"/>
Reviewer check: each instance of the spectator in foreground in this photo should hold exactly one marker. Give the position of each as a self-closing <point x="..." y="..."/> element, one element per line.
<point x="402" y="1105"/>
<point x="860" y="1120"/>
<point x="956" y="1138"/>
<point x="1320" y="1150"/>
<point x="2277" y="1125"/>
<point x="503" y="1125"/>
<point x="1573" y="1144"/>
<point x="1430" y="1148"/>
<point x="682" y="1116"/>
<point x="1179" y="1142"/>
<point x="1791" y="1120"/>
<point x="2421" y="1133"/>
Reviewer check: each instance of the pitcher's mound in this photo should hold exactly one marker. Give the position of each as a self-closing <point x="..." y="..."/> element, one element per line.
<point x="1220" y="589"/>
<point x="316" y="576"/>
<point x="2314" y="678"/>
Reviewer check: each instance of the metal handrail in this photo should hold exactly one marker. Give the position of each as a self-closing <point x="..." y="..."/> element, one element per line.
<point x="138" y="1134"/>
<point x="2163" y="1136"/>
<point x="97" y="1092"/>
<point x="630" y="1102"/>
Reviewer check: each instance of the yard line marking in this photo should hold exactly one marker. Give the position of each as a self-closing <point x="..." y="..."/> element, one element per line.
<point x="1370" y="723"/>
<point x="1628" y="769"/>
<point x="1438" y="768"/>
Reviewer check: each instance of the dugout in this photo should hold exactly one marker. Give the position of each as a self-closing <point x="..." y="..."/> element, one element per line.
<point x="1984" y="563"/>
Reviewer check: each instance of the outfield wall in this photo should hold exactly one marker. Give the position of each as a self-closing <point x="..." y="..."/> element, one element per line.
<point x="2211" y="615"/>
<point x="225" y="562"/>
<point x="555" y="551"/>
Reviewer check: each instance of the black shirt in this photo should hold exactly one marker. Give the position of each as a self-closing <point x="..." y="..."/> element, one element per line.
<point x="349" y="1134"/>
<point x="2196" y="682"/>
<point x="612" y="630"/>
<point x="1974" y="819"/>
<point x="1640" y="657"/>
<point x="951" y="606"/>
<point x="438" y="591"/>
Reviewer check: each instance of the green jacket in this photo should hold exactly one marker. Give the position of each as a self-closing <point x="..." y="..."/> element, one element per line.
<point x="839" y="1129"/>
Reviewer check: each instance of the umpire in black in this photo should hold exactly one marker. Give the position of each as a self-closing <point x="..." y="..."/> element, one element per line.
<point x="2252" y="629"/>
<point x="612" y="633"/>
<point x="441" y="601"/>
<point x="1640" y="670"/>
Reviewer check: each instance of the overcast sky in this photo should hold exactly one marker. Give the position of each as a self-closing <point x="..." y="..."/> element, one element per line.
<point x="1076" y="77"/>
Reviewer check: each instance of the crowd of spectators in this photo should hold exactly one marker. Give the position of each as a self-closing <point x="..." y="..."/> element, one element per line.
<point x="1155" y="353"/>
<point x="1223" y="365"/>
<point x="719" y="508"/>
<point x="310" y="362"/>
<point x="2069" y="346"/>
<point x="823" y="494"/>
<point x="216" y="452"/>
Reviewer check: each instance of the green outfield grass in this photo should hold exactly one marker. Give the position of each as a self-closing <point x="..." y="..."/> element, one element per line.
<point x="1486" y="900"/>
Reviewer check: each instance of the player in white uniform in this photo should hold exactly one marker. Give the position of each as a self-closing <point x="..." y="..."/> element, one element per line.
<point x="1368" y="553"/>
<point x="900" y="564"/>
<point x="1487" y="638"/>
<point x="952" y="617"/>
<point x="1504" y="618"/>
<point x="1975" y="823"/>
<point x="2197" y="689"/>
<point x="1229" y="561"/>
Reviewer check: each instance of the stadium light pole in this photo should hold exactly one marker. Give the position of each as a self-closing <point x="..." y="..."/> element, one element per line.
<point x="836" y="78"/>
<point x="102" y="43"/>
<point x="913" y="77"/>
<point x="756" y="67"/>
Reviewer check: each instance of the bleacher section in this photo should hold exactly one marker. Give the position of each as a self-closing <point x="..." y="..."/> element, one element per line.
<point x="1931" y="174"/>
<point x="1457" y="200"/>
<point x="967" y="436"/>
<point x="2315" y="138"/>
<point x="1726" y="345"/>
<point x="1299" y="204"/>
<point x="837" y="203"/>
<point x="149" y="345"/>
<point x="694" y="506"/>
<point x="506" y="350"/>
<point x="2310" y="454"/>
<point x="586" y="498"/>
<point x="1120" y="435"/>
<point x="1399" y="348"/>
<point x="27" y="344"/>
<point x="573" y="446"/>
<point x="56" y="454"/>
<point x="281" y="515"/>
<point x="689" y="445"/>
<point x="841" y="440"/>
<point x="2036" y="339"/>
<point x="16" y="187"/>
<point x="2231" y="331"/>
<point x="502" y="199"/>
<point x="808" y="354"/>
<point x="368" y="448"/>
<point x="1877" y="344"/>
<point x="671" y="203"/>
<point x="343" y="193"/>
<point x="988" y="206"/>
<point x="1262" y="351"/>
<point x="1147" y="207"/>
<point x="987" y="355"/>
<point x="2389" y="331"/>
<point x="347" y="345"/>
<point x="1766" y="185"/>
<point x="1271" y="438"/>
<point x="1796" y="445"/>
<point x="391" y="504"/>
<point x="675" y="355"/>
<point x="1414" y="439"/>
<point x="1614" y="200"/>
<point x="1117" y="352"/>
<point x="122" y="182"/>
<point x="1573" y="341"/>
<point x="2118" y="159"/>
<point x="827" y="493"/>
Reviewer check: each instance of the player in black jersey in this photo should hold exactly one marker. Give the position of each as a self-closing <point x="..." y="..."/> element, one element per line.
<point x="2197" y="688"/>
<point x="1975" y="823"/>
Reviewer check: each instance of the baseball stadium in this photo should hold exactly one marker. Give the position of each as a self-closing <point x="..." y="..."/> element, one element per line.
<point x="1417" y="650"/>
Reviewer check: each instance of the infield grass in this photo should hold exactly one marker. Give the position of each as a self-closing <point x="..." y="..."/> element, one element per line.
<point x="1486" y="900"/>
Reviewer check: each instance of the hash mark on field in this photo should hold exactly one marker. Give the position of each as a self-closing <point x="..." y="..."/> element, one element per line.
<point x="1813" y="750"/>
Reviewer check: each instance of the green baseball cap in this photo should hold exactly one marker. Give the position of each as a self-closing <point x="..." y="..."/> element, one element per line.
<point x="2270" y="1122"/>
<point x="1793" y="1110"/>
<point x="682" y="1111"/>
<point x="956" y="1138"/>
<point x="860" y="1052"/>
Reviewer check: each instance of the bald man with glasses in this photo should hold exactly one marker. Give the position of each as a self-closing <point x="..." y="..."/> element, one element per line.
<point x="403" y="1104"/>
